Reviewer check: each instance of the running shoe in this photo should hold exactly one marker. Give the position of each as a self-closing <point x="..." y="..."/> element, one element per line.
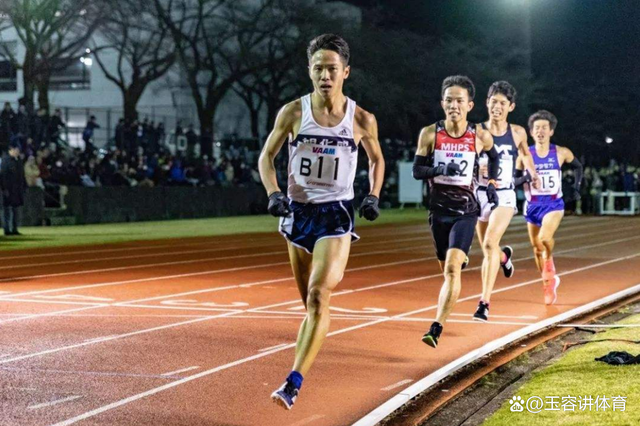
<point x="508" y="267"/>
<point x="432" y="336"/>
<point x="482" y="313"/>
<point x="551" y="290"/>
<point x="286" y="395"/>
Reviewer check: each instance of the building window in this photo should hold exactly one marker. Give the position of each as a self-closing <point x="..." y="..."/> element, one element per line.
<point x="76" y="76"/>
<point x="8" y="74"/>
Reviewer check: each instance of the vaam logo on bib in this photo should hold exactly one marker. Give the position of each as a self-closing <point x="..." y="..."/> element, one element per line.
<point x="454" y="155"/>
<point x="319" y="150"/>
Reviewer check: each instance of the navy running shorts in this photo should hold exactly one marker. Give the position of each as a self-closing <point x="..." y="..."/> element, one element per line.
<point x="309" y="223"/>
<point x="452" y="232"/>
<point x="535" y="212"/>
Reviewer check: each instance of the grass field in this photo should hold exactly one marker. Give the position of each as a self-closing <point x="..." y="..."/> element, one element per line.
<point x="576" y="374"/>
<point x="37" y="237"/>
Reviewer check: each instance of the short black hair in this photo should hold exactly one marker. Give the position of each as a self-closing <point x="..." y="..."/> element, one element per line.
<point x="330" y="42"/>
<point x="459" y="80"/>
<point x="543" y="114"/>
<point x="503" y="88"/>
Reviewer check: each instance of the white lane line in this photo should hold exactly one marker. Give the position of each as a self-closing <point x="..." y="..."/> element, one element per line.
<point x="598" y="326"/>
<point x="110" y="338"/>
<point x="397" y="385"/>
<point x="275" y="243"/>
<point x="272" y="347"/>
<point x="382" y="411"/>
<point x="199" y="251"/>
<point x="190" y="274"/>
<point x="532" y="317"/>
<point x="187" y="379"/>
<point x="171" y="373"/>
<point x="56" y="402"/>
<point x="259" y="309"/>
<point x="100" y="339"/>
<point x="54" y="302"/>
<point x="308" y="420"/>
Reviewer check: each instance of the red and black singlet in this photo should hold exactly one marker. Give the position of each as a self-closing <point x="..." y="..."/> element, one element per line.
<point x="455" y="195"/>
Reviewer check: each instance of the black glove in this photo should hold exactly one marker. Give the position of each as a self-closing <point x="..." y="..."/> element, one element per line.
<point x="279" y="204"/>
<point x="369" y="207"/>
<point x="522" y="177"/>
<point x="574" y="195"/>
<point x="492" y="195"/>
<point x="449" y="169"/>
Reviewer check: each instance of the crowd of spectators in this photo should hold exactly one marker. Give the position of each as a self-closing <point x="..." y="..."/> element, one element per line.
<point x="137" y="155"/>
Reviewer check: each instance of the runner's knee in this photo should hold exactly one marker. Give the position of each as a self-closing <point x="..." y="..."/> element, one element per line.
<point x="490" y="246"/>
<point x="318" y="298"/>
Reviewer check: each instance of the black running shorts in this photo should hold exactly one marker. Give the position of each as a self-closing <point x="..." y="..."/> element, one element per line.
<point x="452" y="232"/>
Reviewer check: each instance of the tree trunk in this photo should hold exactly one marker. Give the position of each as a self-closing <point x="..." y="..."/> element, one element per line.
<point x="29" y="85"/>
<point x="43" y="93"/>
<point x="206" y="131"/>
<point x="254" y="115"/>
<point x="130" y="97"/>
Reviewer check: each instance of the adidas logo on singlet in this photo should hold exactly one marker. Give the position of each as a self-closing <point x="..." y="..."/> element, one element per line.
<point x="343" y="132"/>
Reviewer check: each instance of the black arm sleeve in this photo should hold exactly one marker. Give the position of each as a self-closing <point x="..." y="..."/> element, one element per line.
<point x="520" y="177"/>
<point x="421" y="170"/>
<point x="577" y="172"/>
<point x="494" y="163"/>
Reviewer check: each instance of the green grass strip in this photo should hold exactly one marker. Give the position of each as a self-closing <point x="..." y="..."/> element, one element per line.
<point x="41" y="237"/>
<point x="576" y="374"/>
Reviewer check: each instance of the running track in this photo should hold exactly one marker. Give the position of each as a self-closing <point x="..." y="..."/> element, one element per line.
<point x="200" y="331"/>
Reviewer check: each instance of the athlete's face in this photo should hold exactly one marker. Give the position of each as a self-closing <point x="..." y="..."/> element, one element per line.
<point x="541" y="131"/>
<point x="327" y="72"/>
<point x="456" y="103"/>
<point x="499" y="107"/>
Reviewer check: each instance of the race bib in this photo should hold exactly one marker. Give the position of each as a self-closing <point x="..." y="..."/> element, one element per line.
<point x="466" y="162"/>
<point x="505" y="172"/>
<point x="321" y="166"/>
<point x="550" y="183"/>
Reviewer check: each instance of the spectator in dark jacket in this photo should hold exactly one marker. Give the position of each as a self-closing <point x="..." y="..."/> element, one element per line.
<point x="13" y="186"/>
<point x="87" y="134"/>
<point x="56" y="124"/>
<point x="7" y="118"/>
<point x="22" y="121"/>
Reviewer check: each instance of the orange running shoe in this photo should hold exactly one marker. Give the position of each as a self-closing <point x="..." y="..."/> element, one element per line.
<point x="551" y="290"/>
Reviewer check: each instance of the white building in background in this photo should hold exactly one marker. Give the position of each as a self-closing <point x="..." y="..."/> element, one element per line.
<point x="83" y="90"/>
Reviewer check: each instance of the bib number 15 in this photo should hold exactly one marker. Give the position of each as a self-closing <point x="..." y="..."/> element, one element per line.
<point x="306" y="163"/>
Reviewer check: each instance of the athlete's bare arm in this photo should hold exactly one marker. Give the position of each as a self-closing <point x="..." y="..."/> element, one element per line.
<point x="565" y="155"/>
<point x="519" y="163"/>
<point x="523" y="151"/>
<point x="484" y="141"/>
<point x="287" y="122"/>
<point x="426" y="140"/>
<point x="367" y="128"/>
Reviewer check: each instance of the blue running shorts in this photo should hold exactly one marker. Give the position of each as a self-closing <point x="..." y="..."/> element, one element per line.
<point x="309" y="223"/>
<point x="535" y="212"/>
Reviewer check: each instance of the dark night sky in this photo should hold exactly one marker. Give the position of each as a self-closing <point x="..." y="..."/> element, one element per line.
<point x="586" y="37"/>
